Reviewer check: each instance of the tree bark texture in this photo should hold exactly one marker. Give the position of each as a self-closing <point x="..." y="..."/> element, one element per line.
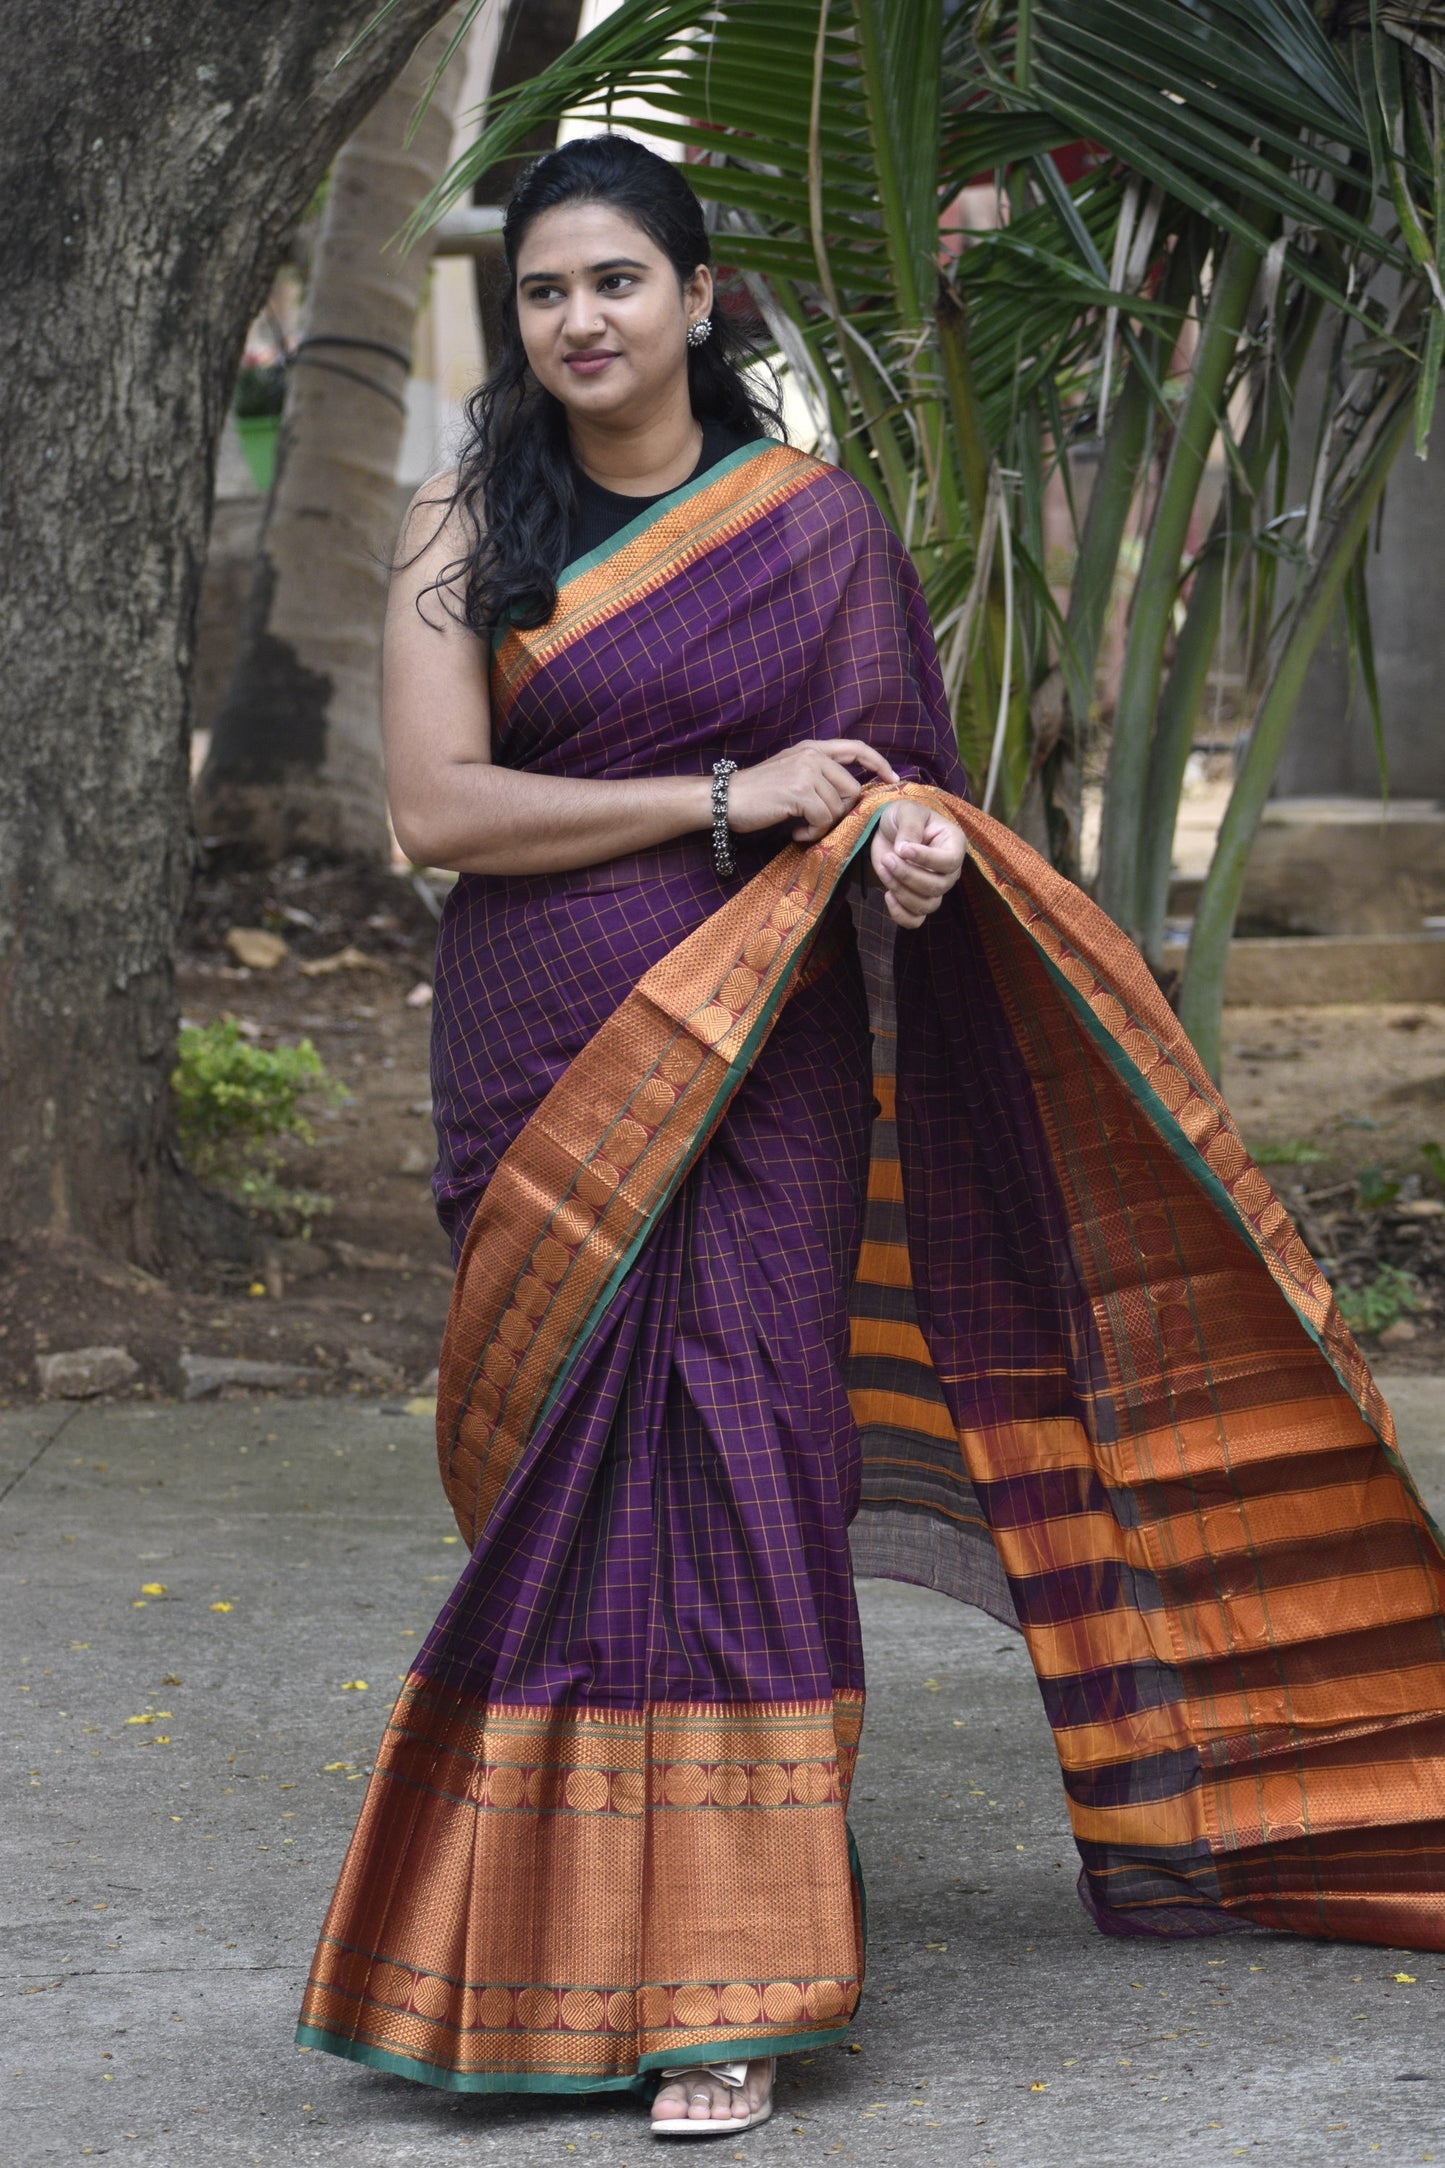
<point x="154" y="161"/>
<point x="295" y="755"/>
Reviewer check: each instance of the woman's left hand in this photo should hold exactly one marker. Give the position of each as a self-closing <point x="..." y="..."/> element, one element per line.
<point x="917" y="855"/>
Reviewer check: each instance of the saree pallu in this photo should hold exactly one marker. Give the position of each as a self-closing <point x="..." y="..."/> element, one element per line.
<point x="769" y="1222"/>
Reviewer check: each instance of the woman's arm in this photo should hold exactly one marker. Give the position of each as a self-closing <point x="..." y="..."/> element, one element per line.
<point x="452" y="807"/>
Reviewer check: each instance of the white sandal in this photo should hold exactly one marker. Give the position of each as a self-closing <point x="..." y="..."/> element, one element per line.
<point x="732" y="2075"/>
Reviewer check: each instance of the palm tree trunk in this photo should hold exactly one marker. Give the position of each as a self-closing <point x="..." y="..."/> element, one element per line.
<point x="295" y="755"/>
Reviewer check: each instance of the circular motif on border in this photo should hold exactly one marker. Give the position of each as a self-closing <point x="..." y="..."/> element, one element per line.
<point x="621" y="2011"/>
<point x="431" y="1997"/>
<point x="729" y="1785"/>
<point x="783" y="2002"/>
<point x="494" y="2009"/>
<point x="1176" y="1325"/>
<point x="653" y="1099"/>
<point x="506" y="1786"/>
<point x="823" y="1998"/>
<point x="738" y="988"/>
<point x="532" y="1295"/>
<point x="1227" y="1158"/>
<point x="626" y="1143"/>
<point x="1151" y="1232"/>
<point x="656" y="2007"/>
<point x="681" y="1062"/>
<point x="596" y="1184"/>
<point x="785" y="914"/>
<point x="499" y="1363"/>
<point x="537" y="2009"/>
<point x="740" y="2004"/>
<point x="714" y="1021"/>
<point x="574" y="1223"/>
<point x="685" y="1784"/>
<point x="694" y="2006"/>
<point x="549" y="1260"/>
<point x="486" y="1400"/>
<point x="628" y="1792"/>
<point x="762" y="948"/>
<point x="812" y="1783"/>
<point x="1172" y="1086"/>
<point x="515" y="1330"/>
<point x="586" y="1791"/>
<point x="470" y="2009"/>
<point x="769" y="1784"/>
<point x="582" y="2009"/>
<point x="389" y="1984"/>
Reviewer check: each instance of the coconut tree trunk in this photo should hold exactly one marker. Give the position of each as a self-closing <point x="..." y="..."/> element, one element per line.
<point x="154" y="160"/>
<point x="295" y="754"/>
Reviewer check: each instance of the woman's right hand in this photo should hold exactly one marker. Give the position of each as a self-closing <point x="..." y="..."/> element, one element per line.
<point x="809" y="784"/>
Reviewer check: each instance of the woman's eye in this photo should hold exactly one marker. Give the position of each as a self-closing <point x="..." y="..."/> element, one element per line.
<point x="615" y="282"/>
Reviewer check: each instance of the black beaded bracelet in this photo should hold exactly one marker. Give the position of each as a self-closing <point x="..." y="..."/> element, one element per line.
<point x="722" y="856"/>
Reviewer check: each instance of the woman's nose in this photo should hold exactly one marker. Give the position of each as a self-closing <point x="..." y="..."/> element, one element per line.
<point x="583" y="318"/>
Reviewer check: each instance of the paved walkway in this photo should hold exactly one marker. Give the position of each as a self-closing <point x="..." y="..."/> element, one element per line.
<point x="222" y="1573"/>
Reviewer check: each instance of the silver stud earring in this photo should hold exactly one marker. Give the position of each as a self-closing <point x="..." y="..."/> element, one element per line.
<point x="700" y="332"/>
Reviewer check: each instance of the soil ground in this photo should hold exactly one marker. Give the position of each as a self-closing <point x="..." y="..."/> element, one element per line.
<point x="359" y="1304"/>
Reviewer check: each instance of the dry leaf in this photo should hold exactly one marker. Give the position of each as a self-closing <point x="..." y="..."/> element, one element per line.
<point x="257" y="949"/>
<point x="349" y="958"/>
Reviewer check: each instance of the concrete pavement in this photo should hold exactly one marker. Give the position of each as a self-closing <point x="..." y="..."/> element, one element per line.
<point x="190" y="1595"/>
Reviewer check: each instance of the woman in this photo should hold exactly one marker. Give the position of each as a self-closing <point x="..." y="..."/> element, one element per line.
<point x="777" y="1208"/>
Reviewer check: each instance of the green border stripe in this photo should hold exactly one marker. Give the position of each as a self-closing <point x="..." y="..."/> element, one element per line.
<point x="655" y="511"/>
<point x="528" y="2081"/>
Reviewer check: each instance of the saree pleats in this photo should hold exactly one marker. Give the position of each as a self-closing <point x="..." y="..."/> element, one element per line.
<point x="778" y="1235"/>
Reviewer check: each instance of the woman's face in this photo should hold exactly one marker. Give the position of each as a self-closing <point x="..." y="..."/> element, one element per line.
<point x="603" y="319"/>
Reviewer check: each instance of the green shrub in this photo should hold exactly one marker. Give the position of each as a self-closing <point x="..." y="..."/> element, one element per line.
<point x="235" y="1103"/>
<point x="1377" y="1188"/>
<point x="1292" y="1153"/>
<point x="1370" y="1309"/>
<point x="1434" y="1158"/>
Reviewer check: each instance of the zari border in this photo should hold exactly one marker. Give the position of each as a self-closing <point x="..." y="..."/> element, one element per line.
<point x="536" y="2081"/>
<point x="638" y="1829"/>
<point x="653" y="548"/>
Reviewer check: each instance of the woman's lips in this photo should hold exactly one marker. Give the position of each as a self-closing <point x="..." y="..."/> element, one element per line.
<point x="589" y="364"/>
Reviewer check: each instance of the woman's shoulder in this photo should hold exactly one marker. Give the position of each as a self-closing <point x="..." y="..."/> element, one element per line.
<point x="845" y="501"/>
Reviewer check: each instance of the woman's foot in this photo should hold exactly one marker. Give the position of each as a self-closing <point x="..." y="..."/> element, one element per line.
<point x="707" y="2103"/>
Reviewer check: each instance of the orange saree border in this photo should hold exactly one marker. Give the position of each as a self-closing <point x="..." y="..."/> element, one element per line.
<point x="696" y="521"/>
<point x="477" y="1979"/>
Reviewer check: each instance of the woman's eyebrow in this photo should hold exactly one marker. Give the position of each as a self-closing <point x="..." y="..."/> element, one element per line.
<point x="612" y="263"/>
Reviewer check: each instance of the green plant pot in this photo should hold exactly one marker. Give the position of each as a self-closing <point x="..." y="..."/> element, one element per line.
<point x="258" y="434"/>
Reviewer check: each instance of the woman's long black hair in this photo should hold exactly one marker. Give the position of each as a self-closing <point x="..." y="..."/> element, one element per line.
<point x="514" y="476"/>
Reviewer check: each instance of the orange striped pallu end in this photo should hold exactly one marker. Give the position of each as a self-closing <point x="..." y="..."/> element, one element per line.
<point x="536" y="1899"/>
<point x="1227" y="1582"/>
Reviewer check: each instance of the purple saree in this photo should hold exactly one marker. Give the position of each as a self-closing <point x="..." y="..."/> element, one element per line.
<point x="745" y="1257"/>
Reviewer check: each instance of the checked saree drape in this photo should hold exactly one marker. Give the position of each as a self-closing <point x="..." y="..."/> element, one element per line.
<point x="778" y="1234"/>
